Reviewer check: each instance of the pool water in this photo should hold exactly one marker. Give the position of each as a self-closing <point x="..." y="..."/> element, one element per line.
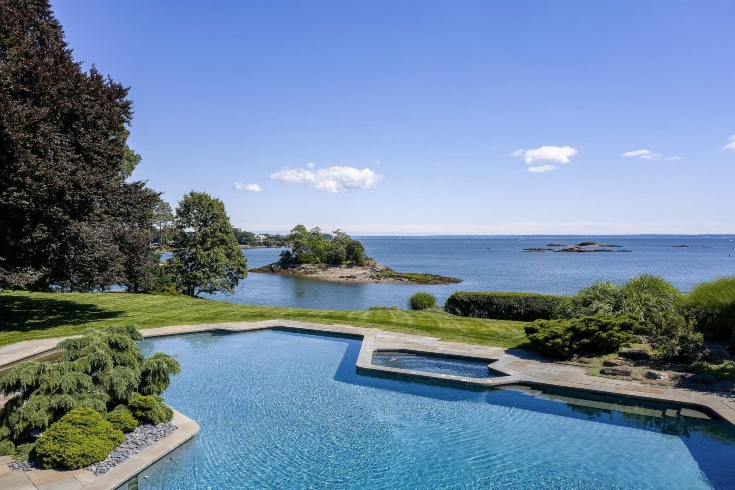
<point x="287" y="410"/>
<point x="434" y="364"/>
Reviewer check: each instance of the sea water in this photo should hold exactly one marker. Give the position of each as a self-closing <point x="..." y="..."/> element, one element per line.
<point x="494" y="264"/>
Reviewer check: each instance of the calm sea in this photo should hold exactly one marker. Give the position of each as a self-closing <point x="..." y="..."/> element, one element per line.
<point x="495" y="264"/>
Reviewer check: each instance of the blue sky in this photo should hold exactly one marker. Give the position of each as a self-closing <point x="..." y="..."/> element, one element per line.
<point x="402" y="117"/>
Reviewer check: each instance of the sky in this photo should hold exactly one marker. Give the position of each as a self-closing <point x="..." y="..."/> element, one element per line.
<point x="429" y="117"/>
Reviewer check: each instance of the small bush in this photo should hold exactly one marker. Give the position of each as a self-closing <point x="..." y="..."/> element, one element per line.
<point x="150" y="409"/>
<point x="422" y="301"/>
<point x="23" y="451"/>
<point x="675" y="338"/>
<point x="7" y="448"/>
<point x="712" y="304"/>
<point x="600" y="333"/>
<point x="121" y="418"/>
<point x="78" y="439"/>
<point x="525" y="307"/>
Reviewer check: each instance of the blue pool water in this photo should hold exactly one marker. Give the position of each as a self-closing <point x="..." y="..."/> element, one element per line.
<point x="287" y="410"/>
<point x="433" y="364"/>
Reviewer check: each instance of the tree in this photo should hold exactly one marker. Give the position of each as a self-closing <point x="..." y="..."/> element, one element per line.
<point x="69" y="219"/>
<point x="206" y="257"/>
<point x="163" y="218"/>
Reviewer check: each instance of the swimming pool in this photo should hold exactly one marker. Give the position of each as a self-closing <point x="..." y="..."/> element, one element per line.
<point x="440" y="364"/>
<point x="287" y="410"/>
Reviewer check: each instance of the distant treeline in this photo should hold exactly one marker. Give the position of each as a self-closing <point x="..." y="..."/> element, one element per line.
<point x="250" y="239"/>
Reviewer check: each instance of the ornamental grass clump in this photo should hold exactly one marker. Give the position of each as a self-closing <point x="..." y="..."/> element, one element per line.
<point x="98" y="371"/>
<point x="422" y="301"/>
<point x="712" y="304"/>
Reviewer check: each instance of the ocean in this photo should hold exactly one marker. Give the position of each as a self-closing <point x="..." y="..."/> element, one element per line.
<point x="494" y="263"/>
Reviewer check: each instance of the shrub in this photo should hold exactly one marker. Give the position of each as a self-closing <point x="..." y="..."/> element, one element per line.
<point x="150" y="409"/>
<point x="23" y="451"/>
<point x="646" y="297"/>
<point x="712" y="304"/>
<point x="78" y="439"/>
<point x="7" y="448"/>
<point x="599" y="333"/>
<point x="525" y="307"/>
<point x="675" y="338"/>
<point x="121" y="418"/>
<point x="422" y="301"/>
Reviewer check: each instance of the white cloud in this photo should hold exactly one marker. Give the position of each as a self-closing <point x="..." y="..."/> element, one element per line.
<point x="332" y="179"/>
<point x="652" y="156"/>
<point x="542" y="168"/>
<point x="559" y="154"/>
<point x="248" y="187"/>
<point x="517" y="153"/>
<point x="731" y="144"/>
<point x="310" y="164"/>
<point x="649" y="155"/>
<point x="636" y="153"/>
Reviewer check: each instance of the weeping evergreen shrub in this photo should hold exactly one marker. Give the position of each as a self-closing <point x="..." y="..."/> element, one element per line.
<point x="99" y="370"/>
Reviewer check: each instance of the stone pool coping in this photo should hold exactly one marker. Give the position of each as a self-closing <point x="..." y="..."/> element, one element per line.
<point x="520" y="368"/>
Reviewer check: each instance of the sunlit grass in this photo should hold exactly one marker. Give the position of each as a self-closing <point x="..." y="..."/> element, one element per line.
<point x="25" y="316"/>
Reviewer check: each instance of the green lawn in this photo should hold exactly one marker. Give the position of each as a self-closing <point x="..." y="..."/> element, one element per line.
<point x="25" y="316"/>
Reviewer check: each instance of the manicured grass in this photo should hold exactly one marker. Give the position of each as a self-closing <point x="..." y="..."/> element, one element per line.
<point x="26" y="316"/>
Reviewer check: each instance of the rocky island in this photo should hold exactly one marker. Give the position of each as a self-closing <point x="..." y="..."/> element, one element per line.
<point x="578" y="248"/>
<point x="338" y="258"/>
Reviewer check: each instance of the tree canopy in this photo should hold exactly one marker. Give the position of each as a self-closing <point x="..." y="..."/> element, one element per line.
<point x="315" y="247"/>
<point x="69" y="218"/>
<point x="206" y="257"/>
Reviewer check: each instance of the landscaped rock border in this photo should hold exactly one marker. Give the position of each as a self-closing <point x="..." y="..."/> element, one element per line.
<point x="135" y="441"/>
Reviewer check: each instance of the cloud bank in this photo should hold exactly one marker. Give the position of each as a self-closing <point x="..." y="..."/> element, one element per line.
<point x="558" y="154"/>
<point x="247" y="187"/>
<point x="332" y="179"/>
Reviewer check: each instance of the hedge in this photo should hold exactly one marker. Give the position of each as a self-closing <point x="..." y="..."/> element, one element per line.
<point x="525" y="307"/>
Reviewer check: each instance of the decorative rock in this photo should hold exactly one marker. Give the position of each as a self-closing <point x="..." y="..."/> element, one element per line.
<point x="656" y="375"/>
<point x="702" y="379"/>
<point x="635" y="353"/>
<point x="616" y="371"/>
<point x="724" y="385"/>
<point x="582" y="360"/>
<point x="719" y="355"/>
<point x="616" y="362"/>
<point x="142" y="437"/>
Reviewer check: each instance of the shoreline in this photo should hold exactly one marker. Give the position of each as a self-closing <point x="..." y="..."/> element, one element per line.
<point x="376" y="273"/>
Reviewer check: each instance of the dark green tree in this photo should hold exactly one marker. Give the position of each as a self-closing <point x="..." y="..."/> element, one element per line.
<point x="69" y="218"/>
<point x="163" y="220"/>
<point x="206" y="257"/>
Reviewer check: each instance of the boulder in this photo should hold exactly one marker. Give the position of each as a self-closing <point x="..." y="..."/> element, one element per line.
<point x="616" y="371"/>
<point x="656" y="375"/>
<point x="616" y="362"/>
<point x="634" y="353"/>
<point x="582" y="360"/>
<point x="718" y="355"/>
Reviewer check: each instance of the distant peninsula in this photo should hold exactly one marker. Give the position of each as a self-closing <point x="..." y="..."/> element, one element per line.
<point x="338" y="258"/>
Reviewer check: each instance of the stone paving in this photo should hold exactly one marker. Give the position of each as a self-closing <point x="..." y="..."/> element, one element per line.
<point x="519" y="368"/>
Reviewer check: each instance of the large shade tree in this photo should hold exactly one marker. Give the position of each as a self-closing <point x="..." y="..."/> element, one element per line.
<point x="206" y="257"/>
<point x="69" y="217"/>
